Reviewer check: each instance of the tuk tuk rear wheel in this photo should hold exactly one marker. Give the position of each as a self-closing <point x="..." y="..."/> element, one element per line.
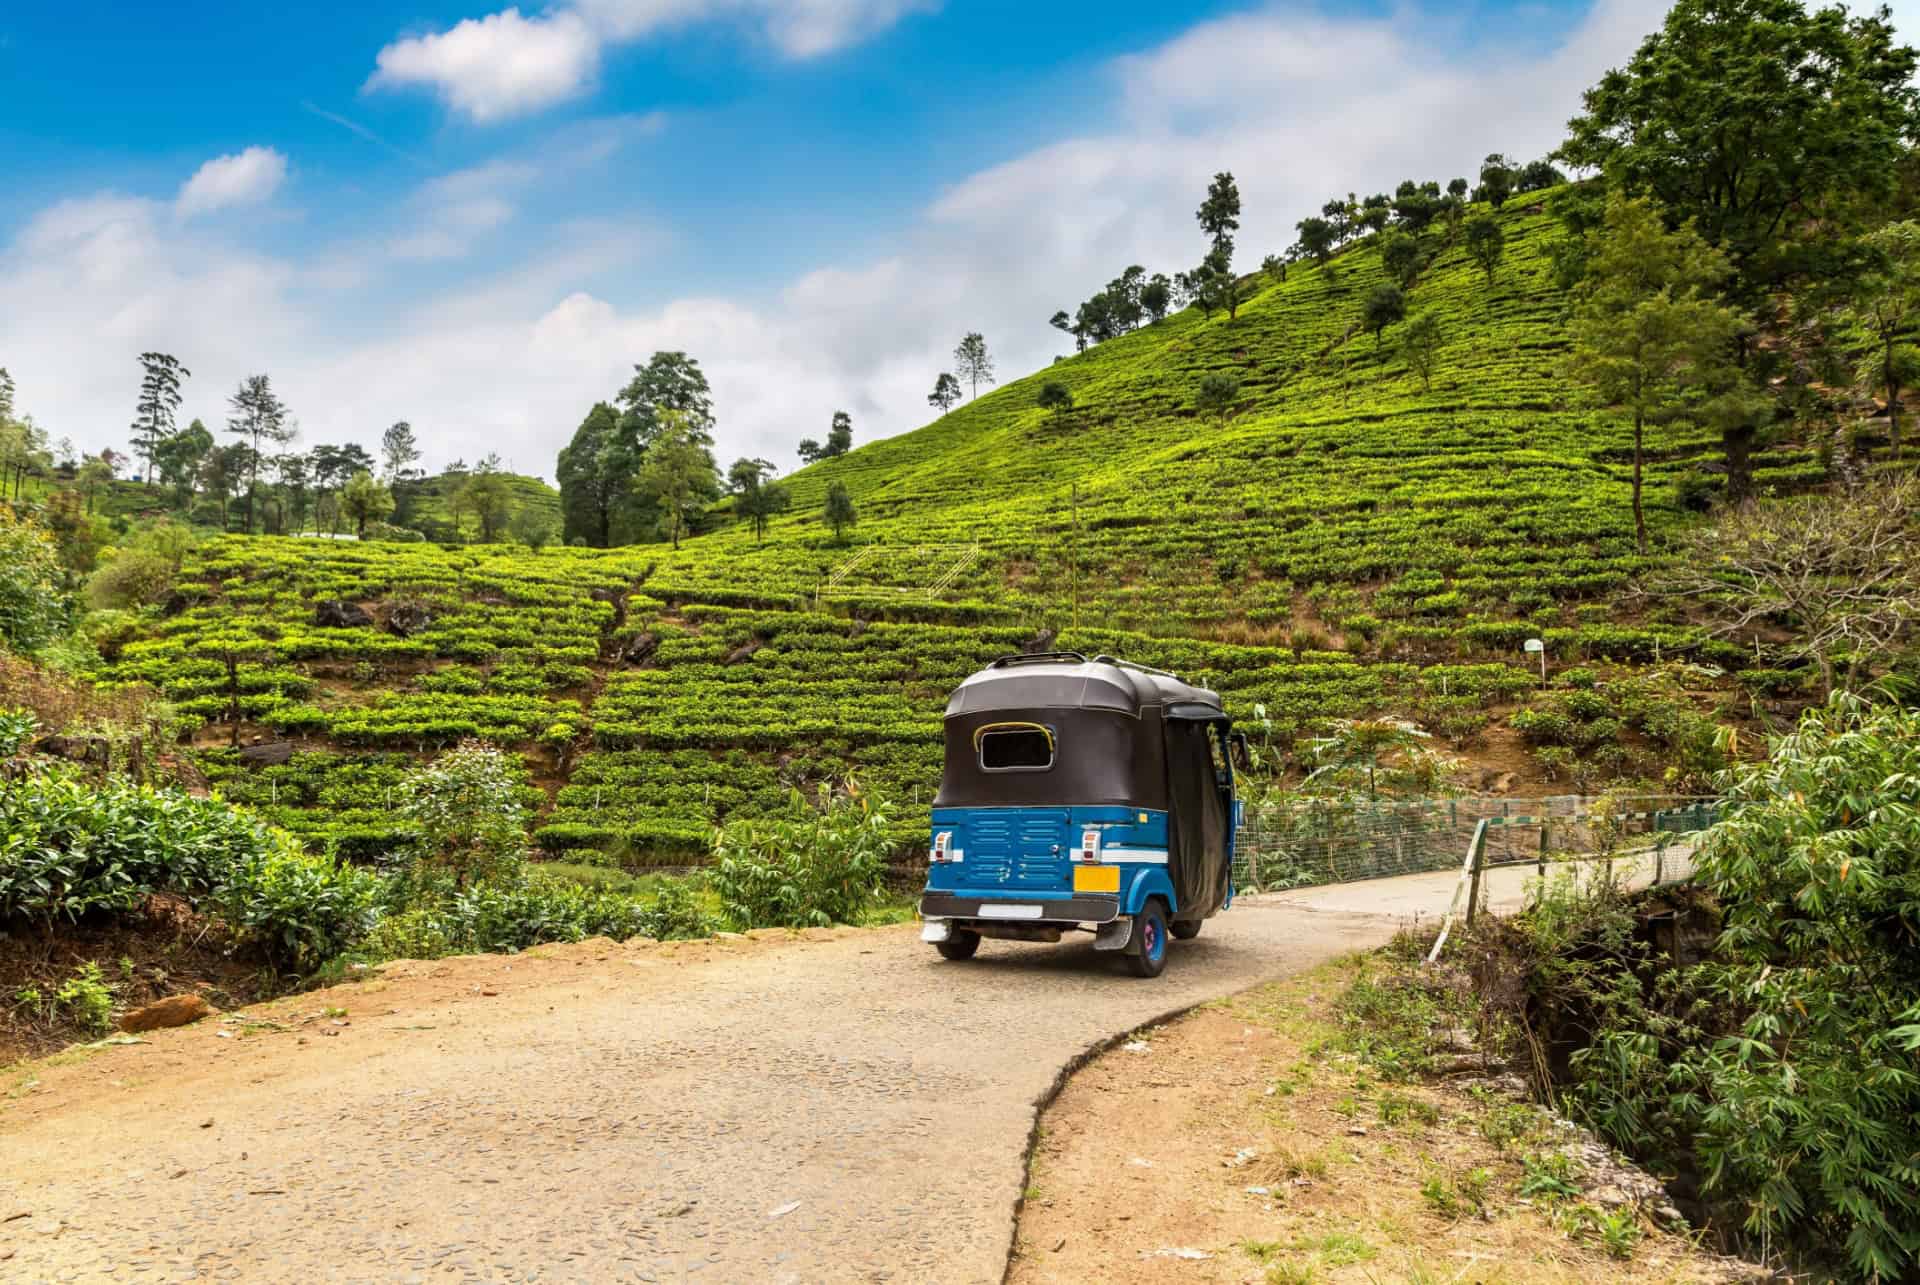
<point x="960" y="944"/>
<point x="1184" y="929"/>
<point x="1148" y="958"/>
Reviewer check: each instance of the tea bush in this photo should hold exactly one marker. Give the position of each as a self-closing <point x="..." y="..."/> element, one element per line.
<point x="815" y="868"/>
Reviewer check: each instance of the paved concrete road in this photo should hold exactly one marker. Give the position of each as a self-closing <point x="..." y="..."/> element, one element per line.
<point x="850" y="1108"/>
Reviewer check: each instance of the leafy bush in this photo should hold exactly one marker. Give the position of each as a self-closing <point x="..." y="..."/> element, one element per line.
<point x="300" y="909"/>
<point x="465" y="809"/>
<point x="817" y="868"/>
<point x="33" y="611"/>
<point x="496" y="917"/>
<point x="16" y="730"/>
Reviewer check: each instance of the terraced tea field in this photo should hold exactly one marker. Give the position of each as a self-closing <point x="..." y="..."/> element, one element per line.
<point x="1347" y="540"/>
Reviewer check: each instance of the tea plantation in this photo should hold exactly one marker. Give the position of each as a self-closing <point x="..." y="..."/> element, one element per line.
<point x="1346" y="538"/>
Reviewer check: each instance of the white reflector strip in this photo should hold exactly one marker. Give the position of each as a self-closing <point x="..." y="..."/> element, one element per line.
<point x="1137" y="856"/>
<point x="1010" y="912"/>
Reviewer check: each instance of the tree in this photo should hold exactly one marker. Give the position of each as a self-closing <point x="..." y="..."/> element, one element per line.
<point x="1056" y="397"/>
<point x="532" y="526"/>
<point x="1842" y="570"/>
<point x="465" y="812"/>
<point x="1275" y="267"/>
<point x="1420" y="346"/>
<point x="593" y="478"/>
<point x="398" y="451"/>
<point x="295" y="473"/>
<point x="839" y="511"/>
<point x="1882" y="310"/>
<point x="946" y="391"/>
<point x="1316" y="239"/>
<point x="973" y="361"/>
<point x="810" y="451"/>
<point x="33" y="611"/>
<point x="1156" y="296"/>
<point x="1401" y="255"/>
<point x="839" y="436"/>
<point x="756" y="497"/>
<point x="1496" y="181"/>
<point x="679" y="478"/>
<point x="222" y="471"/>
<point x="161" y="375"/>
<point x="95" y="472"/>
<point x="1215" y="395"/>
<point x="1458" y="188"/>
<point x="1538" y="175"/>
<point x="1486" y="244"/>
<point x="1647" y="331"/>
<point x="1363" y="748"/>
<point x="670" y="382"/>
<point x="488" y="496"/>
<point x="1385" y="306"/>
<point x="364" y="500"/>
<point x="1219" y="214"/>
<point x="1416" y="205"/>
<point x="6" y="396"/>
<point x="262" y="419"/>
<point x="1755" y="119"/>
<point x="178" y="458"/>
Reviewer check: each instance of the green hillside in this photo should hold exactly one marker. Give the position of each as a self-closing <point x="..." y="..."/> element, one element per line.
<point x="1345" y="540"/>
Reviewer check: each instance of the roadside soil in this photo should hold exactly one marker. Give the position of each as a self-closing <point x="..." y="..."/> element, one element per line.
<point x="1236" y="1144"/>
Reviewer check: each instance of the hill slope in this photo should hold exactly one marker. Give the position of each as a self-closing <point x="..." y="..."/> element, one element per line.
<point x="1346" y="540"/>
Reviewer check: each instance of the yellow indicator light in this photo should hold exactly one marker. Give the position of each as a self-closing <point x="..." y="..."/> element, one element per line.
<point x="1096" y="878"/>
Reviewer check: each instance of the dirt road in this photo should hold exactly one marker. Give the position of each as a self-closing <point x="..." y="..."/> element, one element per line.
<point x="839" y="1106"/>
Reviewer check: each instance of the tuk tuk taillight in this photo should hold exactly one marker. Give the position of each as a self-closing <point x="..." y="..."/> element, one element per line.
<point x="1090" y="845"/>
<point x="942" y="846"/>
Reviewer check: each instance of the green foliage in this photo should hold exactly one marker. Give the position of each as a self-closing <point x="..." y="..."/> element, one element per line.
<point x="1056" y="397"/>
<point x="33" y="611"/>
<point x="812" y="868"/>
<point x="87" y="999"/>
<point x="839" y="511"/>
<point x="468" y="821"/>
<point x="363" y="500"/>
<point x="1704" y="118"/>
<point x="300" y="908"/>
<point x="1385" y="306"/>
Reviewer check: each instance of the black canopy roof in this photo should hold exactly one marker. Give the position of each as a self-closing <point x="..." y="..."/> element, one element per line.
<point x="1069" y="680"/>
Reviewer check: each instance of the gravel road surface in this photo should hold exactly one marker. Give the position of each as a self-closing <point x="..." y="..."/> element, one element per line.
<point x="834" y="1105"/>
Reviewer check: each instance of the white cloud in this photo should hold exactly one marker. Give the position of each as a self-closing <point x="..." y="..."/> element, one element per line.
<point x="506" y="65"/>
<point x="244" y="178"/>
<point x="498" y="66"/>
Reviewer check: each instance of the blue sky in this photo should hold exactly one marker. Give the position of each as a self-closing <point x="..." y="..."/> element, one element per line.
<point x="477" y="218"/>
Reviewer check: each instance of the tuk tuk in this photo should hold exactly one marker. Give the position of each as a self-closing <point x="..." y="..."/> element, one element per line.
<point x="1080" y="795"/>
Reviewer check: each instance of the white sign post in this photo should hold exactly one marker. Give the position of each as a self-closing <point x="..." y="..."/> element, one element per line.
<point x="1532" y="645"/>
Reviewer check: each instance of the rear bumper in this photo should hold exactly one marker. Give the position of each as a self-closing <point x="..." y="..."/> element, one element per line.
<point x="1057" y="910"/>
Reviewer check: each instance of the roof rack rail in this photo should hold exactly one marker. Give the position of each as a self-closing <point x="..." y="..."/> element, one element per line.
<point x="1037" y="658"/>
<point x="1128" y="664"/>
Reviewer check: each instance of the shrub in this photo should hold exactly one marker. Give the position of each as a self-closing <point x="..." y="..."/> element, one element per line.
<point x="33" y="612"/>
<point x="814" y="869"/>
<point x="466" y="810"/>
<point x="300" y="909"/>
<point x="87" y="999"/>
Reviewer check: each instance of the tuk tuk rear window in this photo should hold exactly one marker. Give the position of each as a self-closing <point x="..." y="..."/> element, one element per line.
<point x="1027" y="748"/>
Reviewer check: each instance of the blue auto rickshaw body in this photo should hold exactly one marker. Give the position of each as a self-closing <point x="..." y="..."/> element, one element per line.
<point x="1080" y="794"/>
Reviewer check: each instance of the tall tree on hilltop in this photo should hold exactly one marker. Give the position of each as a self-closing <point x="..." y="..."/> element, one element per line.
<point x="1317" y="239"/>
<point x="839" y="436"/>
<point x="946" y="391"/>
<point x="160" y="379"/>
<point x="1496" y="181"/>
<point x="670" y="383"/>
<point x="1648" y="333"/>
<point x="679" y="478"/>
<point x="1756" y="119"/>
<point x="592" y="488"/>
<point x="756" y="496"/>
<point x="398" y="451"/>
<point x="262" y="419"/>
<point x="1219" y="218"/>
<point x="973" y="361"/>
<point x="6" y="396"/>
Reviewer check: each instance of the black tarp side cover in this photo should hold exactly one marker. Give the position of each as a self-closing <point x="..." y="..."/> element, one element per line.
<point x="1197" y="859"/>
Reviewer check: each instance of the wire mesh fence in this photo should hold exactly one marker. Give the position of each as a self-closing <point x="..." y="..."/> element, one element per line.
<point x="1326" y="841"/>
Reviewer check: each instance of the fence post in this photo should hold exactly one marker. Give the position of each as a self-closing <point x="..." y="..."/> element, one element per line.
<point x="1546" y="825"/>
<point x="1477" y="857"/>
